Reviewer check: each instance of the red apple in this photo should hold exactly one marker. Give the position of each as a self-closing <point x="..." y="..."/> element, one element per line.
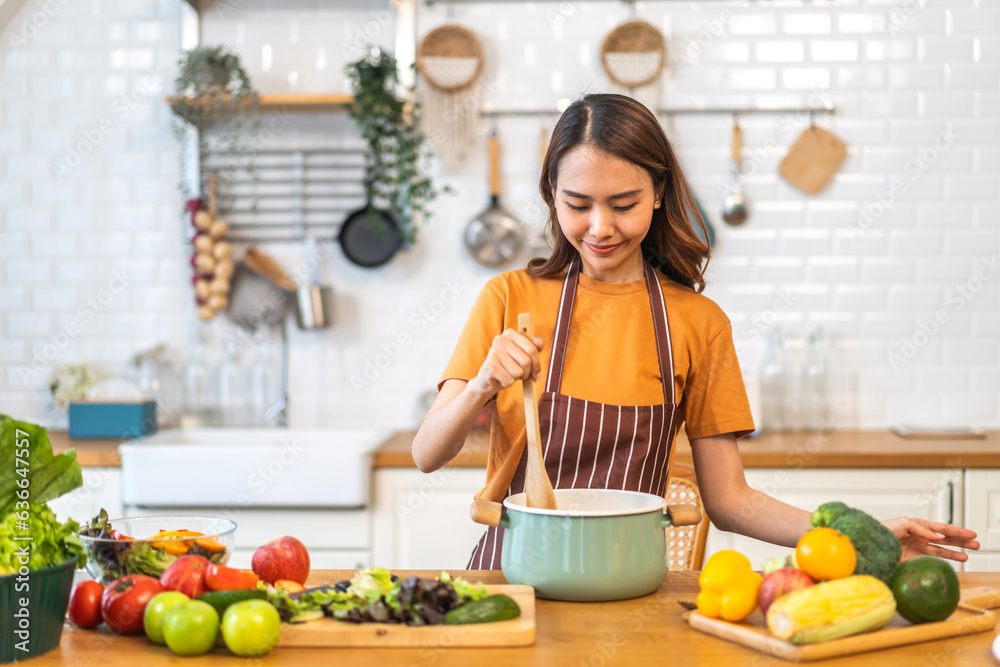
<point x="781" y="582"/>
<point x="283" y="558"/>
<point x="186" y="575"/>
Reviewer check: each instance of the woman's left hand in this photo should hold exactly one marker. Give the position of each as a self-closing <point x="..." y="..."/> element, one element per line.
<point x="920" y="536"/>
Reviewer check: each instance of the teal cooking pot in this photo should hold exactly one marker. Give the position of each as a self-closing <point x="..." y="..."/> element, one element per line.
<point x="599" y="545"/>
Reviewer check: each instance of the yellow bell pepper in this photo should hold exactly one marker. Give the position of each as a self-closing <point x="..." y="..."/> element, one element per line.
<point x="728" y="587"/>
<point x="172" y="544"/>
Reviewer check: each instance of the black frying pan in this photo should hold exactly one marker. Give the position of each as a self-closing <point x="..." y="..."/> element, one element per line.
<point x="370" y="236"/>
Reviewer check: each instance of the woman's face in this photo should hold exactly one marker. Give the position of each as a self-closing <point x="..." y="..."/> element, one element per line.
<point x="604" y="206"/>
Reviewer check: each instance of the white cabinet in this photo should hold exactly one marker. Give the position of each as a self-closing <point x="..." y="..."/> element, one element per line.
<point x="102" y="487"/>
<point x="982" y="505"/>
<point x="934" y="494"/>
<point x="422" y="520"/>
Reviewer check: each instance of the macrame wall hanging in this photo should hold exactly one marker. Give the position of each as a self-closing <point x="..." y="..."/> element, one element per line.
<point x="633" y="56"/>
<point x="450" y="58"/>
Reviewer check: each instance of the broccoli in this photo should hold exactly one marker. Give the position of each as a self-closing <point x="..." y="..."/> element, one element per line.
<point x="878" y="548"/>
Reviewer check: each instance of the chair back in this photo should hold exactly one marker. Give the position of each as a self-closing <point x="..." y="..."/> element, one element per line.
<point x="685" y="544"/>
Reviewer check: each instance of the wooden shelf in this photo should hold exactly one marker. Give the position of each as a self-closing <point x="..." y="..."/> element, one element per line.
<point x="299" y="102"/>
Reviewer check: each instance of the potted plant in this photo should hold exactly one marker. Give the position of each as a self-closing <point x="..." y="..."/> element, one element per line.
<point x="211" y="87"/>
<point x="395" y="169"/>
<point x="213" y="95"/>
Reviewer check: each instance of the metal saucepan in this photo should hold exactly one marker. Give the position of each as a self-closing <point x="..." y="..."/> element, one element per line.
<point x="734" y="206"/>
<point x="314" y="301"/>
<point x="600" y="544"/>
<point x="494" y="237"/>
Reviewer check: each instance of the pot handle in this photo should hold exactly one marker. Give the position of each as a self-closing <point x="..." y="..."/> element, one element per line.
<point x="488" y="513"/>
<point x="681" y="515"/>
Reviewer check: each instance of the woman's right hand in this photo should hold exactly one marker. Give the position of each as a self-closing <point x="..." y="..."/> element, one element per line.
<point x="512" y="357"/>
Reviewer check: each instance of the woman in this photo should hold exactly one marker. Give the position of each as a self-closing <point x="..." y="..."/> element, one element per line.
<point x="626" y="345"/>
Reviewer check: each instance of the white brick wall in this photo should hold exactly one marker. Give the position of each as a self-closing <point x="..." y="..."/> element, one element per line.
<point x="899" y="81"/>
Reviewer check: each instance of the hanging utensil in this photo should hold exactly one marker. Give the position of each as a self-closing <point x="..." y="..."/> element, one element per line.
<point x="537" y="487"/>
<point x="265" y="265"/>
<point x="812" y="160"/>
<point x="494" y="237"/>
<point x="734" y="206"/>
<point x="314" y="302"/>
<point x="370" y="236"/>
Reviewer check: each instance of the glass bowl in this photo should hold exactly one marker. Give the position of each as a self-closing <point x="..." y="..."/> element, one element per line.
<point x="150" y="544"/>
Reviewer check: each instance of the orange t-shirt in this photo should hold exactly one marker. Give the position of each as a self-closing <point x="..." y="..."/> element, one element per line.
<point x="610" y="357"/>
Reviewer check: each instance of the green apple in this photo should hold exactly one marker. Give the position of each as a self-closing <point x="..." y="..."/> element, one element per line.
<point x="251" y="627"/>
<point x="159" y="605"/>
<point x="191" y="628"/>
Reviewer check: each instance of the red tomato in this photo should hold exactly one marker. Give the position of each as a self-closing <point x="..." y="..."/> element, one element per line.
<point x="289" y="585"/>
<point x="222" y="578"/>
<point x="125" y="600"/>
<point x="85" y="605"/>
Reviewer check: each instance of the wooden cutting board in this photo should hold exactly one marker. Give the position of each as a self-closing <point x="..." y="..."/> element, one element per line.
<point x="328" y="632"/>
<point x="971" y="616"/>
<point x="813" y="160"/>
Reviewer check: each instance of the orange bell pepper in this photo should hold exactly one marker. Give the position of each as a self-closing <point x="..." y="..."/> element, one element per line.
<point x="171" y="542"/>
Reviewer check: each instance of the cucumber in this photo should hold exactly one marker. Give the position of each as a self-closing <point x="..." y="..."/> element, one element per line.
<point x="484" y="610"/>
<point x="222" y="599"/>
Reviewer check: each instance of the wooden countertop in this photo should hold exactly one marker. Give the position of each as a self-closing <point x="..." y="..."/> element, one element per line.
<point x="644" y="631"/>
<point x="841" y="449"/>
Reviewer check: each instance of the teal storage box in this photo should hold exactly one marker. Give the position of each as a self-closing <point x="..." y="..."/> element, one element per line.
<point x="118" y="419"/>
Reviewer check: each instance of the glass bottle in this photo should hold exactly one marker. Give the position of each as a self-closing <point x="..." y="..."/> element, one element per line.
<point x="774" y="385"/>
<point x="233" y="386"/>
<point x="815" y="394"/>
<point x="263" y="380"/>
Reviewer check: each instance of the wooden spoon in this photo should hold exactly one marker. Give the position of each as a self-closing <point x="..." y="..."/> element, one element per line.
<point x="265" y="265"/>
<point x="537" y="486"/>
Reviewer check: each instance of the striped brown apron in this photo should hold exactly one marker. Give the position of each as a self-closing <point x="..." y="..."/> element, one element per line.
<point x="589" y="445"/>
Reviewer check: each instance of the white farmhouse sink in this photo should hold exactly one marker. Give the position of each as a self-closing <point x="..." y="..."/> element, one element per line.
<point x="250" y="468"/>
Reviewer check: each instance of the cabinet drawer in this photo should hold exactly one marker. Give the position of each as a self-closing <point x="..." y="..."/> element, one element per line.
<point x="316" y="528"/>
<point x="934" y="494"/>
<point x="982" y="562"/>
<point x="982" y="506"/>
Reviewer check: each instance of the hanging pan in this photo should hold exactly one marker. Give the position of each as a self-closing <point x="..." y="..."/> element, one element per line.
<point x="495" y="236"/>
<point x="370" y="236"/>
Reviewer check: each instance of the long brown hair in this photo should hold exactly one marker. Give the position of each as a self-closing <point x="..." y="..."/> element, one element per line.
<point x="621" y="126"/>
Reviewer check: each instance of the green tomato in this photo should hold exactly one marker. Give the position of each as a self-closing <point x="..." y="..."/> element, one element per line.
<point x="191" y="628"/>
<point x="251" y="628"/>
<point x="159" y="605"/>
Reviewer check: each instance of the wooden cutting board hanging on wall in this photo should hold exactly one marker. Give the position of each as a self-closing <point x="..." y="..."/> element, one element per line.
<point x="813" y="160"/>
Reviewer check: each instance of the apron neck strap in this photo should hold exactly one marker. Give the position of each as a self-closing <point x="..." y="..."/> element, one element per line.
<point x="661" y="329"/>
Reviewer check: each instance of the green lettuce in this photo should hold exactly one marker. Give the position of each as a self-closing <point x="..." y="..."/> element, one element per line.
<point x="30" y="476"/>
<point x="466" y="592"/>
<point x="51" y="542"/>
<point x="48" y="476"/>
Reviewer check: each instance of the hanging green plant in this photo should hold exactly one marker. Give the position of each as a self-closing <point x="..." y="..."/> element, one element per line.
<point x="214" y="97"/>
<point x="212" y="87"/>
<point x="395" y="169"/>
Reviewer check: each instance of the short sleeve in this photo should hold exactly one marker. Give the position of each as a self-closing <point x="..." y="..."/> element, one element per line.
<point x="715" y="399"/>
<point x="485" y="322"/>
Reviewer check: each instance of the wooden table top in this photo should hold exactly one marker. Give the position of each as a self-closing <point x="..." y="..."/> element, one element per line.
<point x="841" y="449"/>
<point x="644" y="631"/>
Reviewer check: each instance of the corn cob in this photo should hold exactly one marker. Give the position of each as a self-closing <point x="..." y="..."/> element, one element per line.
<point x="831" y="610"/>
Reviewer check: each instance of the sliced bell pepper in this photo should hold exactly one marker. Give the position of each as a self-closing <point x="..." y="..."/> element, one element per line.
<point x="172" y="543"/>
<point x="222" y="578"/>
<point x="210" y="544"/>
